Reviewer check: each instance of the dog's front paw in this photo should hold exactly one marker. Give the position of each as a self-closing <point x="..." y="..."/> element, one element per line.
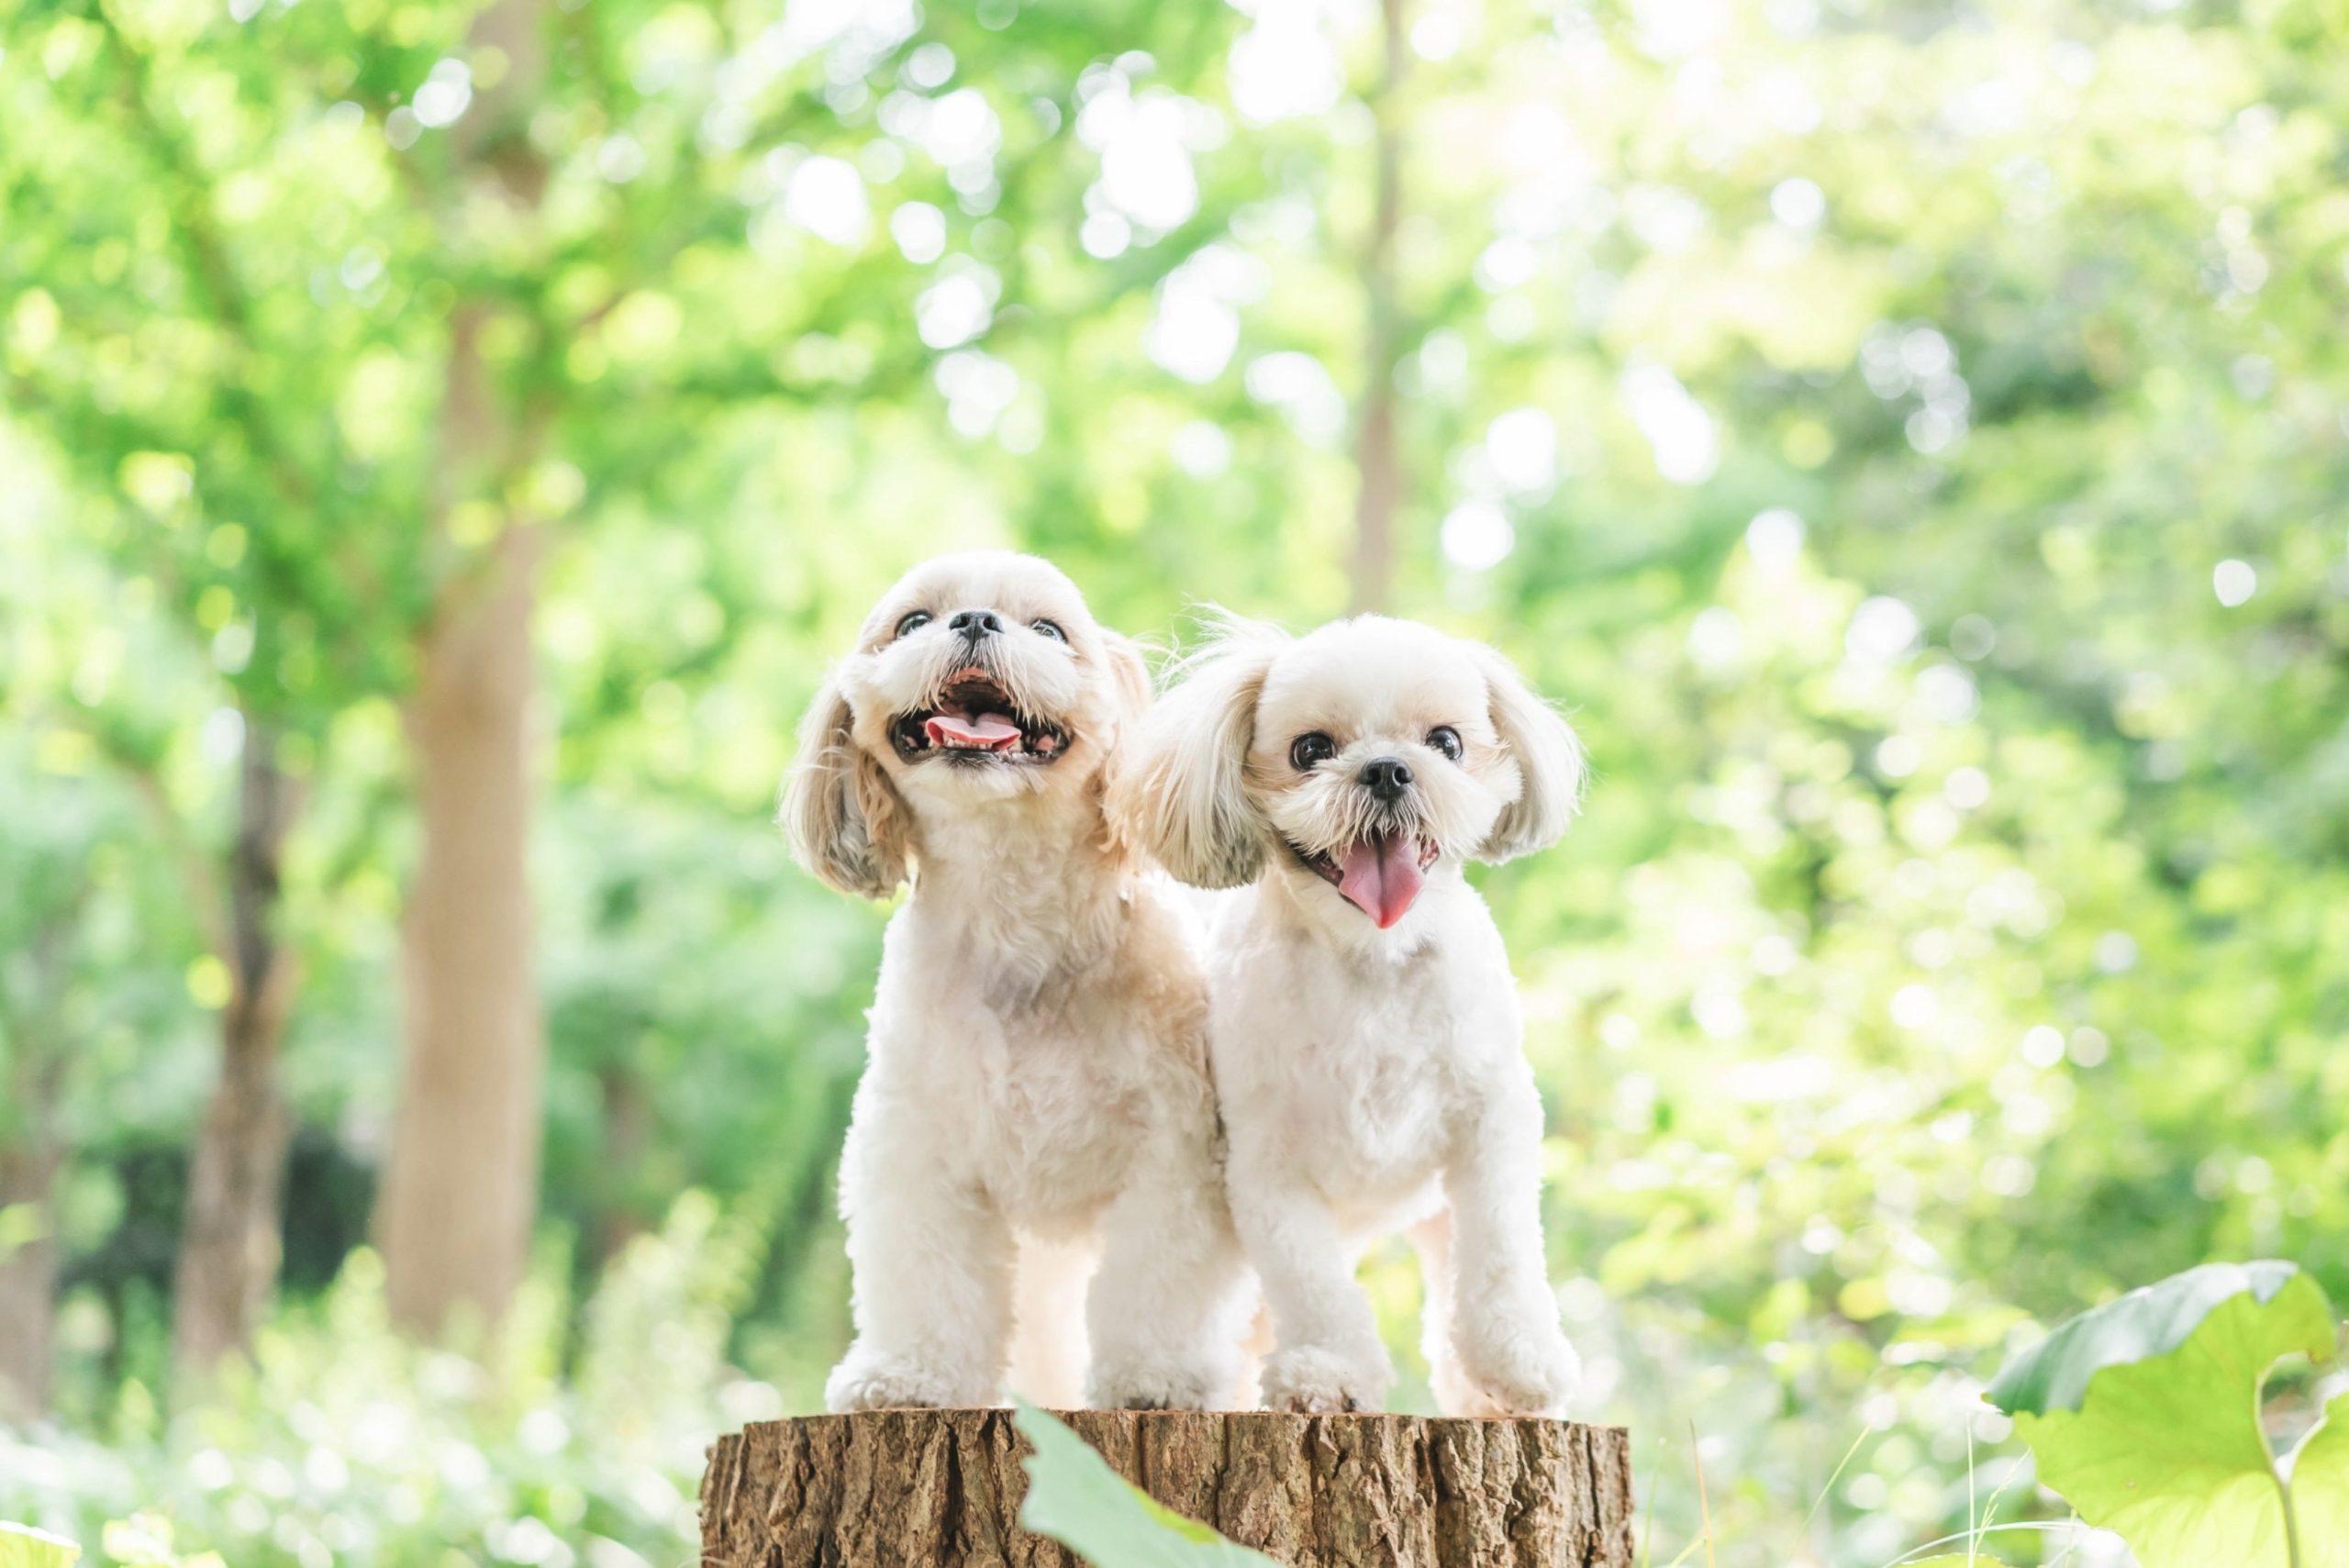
<point x="1145" y="1383"/>
<point x="866" y="1379"/>
<point x="1519" y="1369"/>
<point x="1311" y="1380"/>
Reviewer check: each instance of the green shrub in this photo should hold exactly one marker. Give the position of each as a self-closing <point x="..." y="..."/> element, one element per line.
<point x="555" y="1446"/>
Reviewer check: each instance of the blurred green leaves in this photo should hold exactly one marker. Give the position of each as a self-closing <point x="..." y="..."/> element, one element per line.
<point x="146" y="1539"/>
<point x="579" y="1428"/>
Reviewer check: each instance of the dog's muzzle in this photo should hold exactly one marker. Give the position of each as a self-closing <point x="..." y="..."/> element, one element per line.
<point x="975" y="720"/>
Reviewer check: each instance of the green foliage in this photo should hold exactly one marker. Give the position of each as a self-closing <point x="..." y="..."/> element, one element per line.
<point x="2275" y="1311"/>
<point x="1908" y="437"/>
<point x="2146" y="1415"/>
<point x="145" y="1539"/>
<point x="1076" y="1500"/>
<point x="21" y="1225"/>
<point x="24" y="1547"/>
<point x="2319" y="1477"/>
<point x="576" y="1435"/>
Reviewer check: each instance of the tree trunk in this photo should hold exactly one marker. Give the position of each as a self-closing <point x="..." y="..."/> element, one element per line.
<point x="31" y="1156"/>
<point x="460" y="1190"/>
<point x="229" y="1240"/>
<point x="1377" y="463"/>
<point x="628" y="1132"/>
<point x="27" y="1275"/>
<point x="912" y="1488"/>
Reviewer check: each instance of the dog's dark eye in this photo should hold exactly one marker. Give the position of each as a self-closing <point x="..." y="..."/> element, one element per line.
<point x="1446" y="739"/>
<point x="1051" y="629"/>
<point x="914" y="622"/>
<point x="1310" y="749"/>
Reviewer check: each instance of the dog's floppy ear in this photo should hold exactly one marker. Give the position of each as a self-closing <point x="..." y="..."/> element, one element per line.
<point x="843" y="817"/>
<point x="1128" y="675"/>
<point x="1180" y="792"/>
<point x="1550" y="766"/>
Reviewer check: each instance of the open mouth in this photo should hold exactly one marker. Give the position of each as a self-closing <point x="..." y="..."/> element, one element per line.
<point x="1380" y="874"/>
<point x="975" y="721"/>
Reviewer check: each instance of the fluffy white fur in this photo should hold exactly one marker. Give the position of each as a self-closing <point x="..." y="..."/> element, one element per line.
<point x="1037" y="1081"/>
<point x="1371" y="1080"/>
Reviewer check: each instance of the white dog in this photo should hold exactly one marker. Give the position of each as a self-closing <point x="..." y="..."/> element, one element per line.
<point x="1037" y="1075"/>
<point x="1365" y="1036"/>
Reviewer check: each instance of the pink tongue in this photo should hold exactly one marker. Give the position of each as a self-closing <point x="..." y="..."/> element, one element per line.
<point x="1381" y="875"/>
<point x="987" y="731"/>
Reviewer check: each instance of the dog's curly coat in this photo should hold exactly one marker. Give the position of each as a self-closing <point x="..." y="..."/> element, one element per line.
<point x="1037" y="1078"/>
<point x="1366" y="1034"/>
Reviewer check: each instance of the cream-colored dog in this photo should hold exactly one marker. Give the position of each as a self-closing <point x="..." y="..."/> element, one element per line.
<point x="1037" y="1077"/>
<point x="1365" y="1036"/>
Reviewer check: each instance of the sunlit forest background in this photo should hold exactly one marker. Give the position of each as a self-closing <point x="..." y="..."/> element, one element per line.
<point x="443" y="442"/>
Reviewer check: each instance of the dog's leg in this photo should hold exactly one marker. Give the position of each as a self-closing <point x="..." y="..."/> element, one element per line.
<point x="932" y="1265"/>
<point x="1431" y="1238"/>
<point x="1253" y="1350"/>
<point x="1048" y="1318"/>
<point x="1513" y="1357"/>
<point x="1327" y="1354"/>
<point x="1169" y="1307"/>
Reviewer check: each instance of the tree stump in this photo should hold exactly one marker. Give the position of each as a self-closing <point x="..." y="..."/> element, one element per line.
<point x="913" y="1488"/>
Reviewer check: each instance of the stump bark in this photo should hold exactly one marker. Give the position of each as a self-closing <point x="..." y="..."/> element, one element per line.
<point x="913" y="1488"/>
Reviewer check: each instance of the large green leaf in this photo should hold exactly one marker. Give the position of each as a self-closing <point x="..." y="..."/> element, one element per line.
<point x="21" y="1546"/>
<point x="2053" y="1375"/>
<point x="2145" y="1413"/>
<point x="2320" y="1489"/>
<point x="1074" y="1497"/>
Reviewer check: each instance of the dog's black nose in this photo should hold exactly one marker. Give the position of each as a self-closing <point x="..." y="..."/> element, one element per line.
<point x="1387" y="777"/>
<point x="975" y="624"/>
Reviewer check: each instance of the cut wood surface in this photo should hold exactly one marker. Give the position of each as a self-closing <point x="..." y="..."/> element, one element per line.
<point x="912" y="1488"/>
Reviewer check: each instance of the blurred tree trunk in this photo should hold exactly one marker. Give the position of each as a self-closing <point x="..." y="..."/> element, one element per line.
<point x="460" y="1193"/>
<point x="30" y="1153"/>
<point x="461" y="1190"/>
<point x="29" y="1157"/>
<point x="1377" y="463"/>
<point x="629" y="1128"/>
<point x="229" y="1243"/>
<point x="28" y="1270"/>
